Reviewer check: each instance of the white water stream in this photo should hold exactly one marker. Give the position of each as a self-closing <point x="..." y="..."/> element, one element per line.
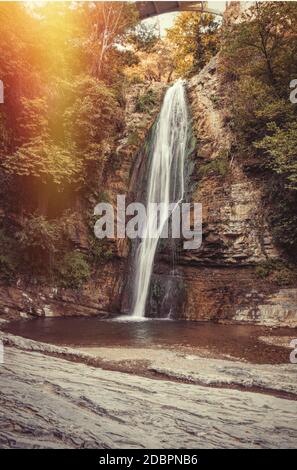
<point x="165" y="185"/>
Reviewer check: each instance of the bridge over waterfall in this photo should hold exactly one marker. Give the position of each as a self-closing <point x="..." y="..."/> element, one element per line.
<point x="148" y="9"/>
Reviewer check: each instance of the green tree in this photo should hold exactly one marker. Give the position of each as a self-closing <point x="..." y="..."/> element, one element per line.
<point x="258" y="61"/>
<point x="194" y="38"/>
<point x="144" y="37"/>
<point x="58" y="125"/>
<point x="73" y="270"/>
<point x="280" y="148"/>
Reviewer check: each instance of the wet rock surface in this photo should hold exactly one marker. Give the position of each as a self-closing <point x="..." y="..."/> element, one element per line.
<point x="219" y="280"/>
<point x="95" y="298"/>
<point x="50" y="402"/>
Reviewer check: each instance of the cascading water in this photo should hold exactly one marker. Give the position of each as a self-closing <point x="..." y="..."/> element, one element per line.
<point x="165" y="185"/>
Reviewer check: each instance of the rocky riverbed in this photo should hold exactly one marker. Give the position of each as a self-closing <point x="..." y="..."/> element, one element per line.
<point x="70" y="401"/>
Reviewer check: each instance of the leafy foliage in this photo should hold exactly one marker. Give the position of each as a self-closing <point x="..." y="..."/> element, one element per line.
<point x="259" y="59"/>
<point x="280" y="150"/>
<point x="38" y="244"/>
<point x="155" y="64"/>
<point x="144" y="37"/>
<point x="276" y="271"/>
<point x="218" y="166"/>
<point x="42" y="250"/>
<point x="8" y="259"/>
<point x="45" y="161"/>
<point x="100" y="251"/>
<point x="146" y="101"/>
<point x="73" y="270"/>
<point x="195" y="39"/>
<point x="58" y="125"/>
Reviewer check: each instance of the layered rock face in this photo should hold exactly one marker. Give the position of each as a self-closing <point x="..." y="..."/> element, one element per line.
<point x="216" y="282"/>
<point x="219" y="278"/>
<point x="95" y="298"/>
<point x="220" y="281"/>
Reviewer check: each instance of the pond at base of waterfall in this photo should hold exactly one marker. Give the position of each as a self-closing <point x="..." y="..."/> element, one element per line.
<point x="237" y="341"/>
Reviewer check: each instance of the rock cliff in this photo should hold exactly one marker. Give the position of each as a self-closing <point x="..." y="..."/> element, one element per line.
<point x="221" y="278"/>
<point x="220" y="281"/>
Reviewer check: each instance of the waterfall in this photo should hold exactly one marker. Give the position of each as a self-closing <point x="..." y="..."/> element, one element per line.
<point x="165" y="185"/>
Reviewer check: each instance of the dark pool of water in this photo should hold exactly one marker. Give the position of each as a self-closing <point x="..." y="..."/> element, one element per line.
<point x="240" y="341"/>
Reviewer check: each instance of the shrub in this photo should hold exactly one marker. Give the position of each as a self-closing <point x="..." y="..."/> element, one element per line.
<point x="283" y="218"/>
<point x="41" y="243"/>
<point x="38" y="233"/>
<point x="284" y="277"/>
<point x="276" y="271"/>
<point x="42" y="161"/>
<point x="8" y="264"/>
<point x="146" y="102"/>
<point x="218" y="166"/>
<point x="280" y="150"/>
<point x="8" y="260"/>
<point x="38" y="242"/>
<point x="73" y="270"/>
<point x="100" y="251"/>
<point x="262" y="271"/>
<point x="133" y="139"/>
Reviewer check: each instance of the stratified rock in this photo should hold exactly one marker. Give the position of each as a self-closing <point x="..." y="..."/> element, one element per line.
<point x="219" y="279"/>
<point x="51" y="403"/>
<point x="279" y="308"/>
<point x="96" y="297"/>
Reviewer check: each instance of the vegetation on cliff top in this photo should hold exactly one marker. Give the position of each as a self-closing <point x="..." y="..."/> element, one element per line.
<point x="60" y="121"/>
<point x="258" y="62"/>
<point x="63" y="115"/>
<point x="195" y="40"/>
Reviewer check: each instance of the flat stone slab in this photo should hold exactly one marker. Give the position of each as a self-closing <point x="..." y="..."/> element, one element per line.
<point x="50" y="402"/>
<point x="277" y="379"/>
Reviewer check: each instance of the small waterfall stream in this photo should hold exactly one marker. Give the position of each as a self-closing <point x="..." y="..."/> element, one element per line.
<point x="165" y="185"/>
